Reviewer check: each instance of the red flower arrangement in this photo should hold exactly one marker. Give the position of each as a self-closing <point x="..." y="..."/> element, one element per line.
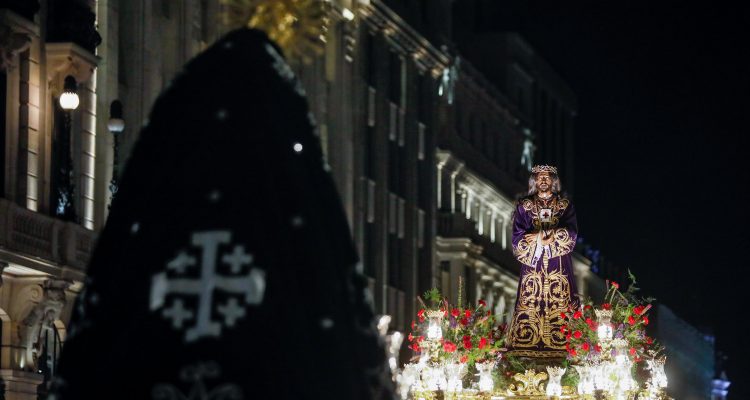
<point x="628" y="322"/>
<point x="468" y="334"/>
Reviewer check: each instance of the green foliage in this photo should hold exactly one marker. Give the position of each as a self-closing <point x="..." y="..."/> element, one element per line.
<point x="433" y="296"/>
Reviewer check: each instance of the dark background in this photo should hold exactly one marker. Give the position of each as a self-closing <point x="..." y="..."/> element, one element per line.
<point x="661" y="143"/>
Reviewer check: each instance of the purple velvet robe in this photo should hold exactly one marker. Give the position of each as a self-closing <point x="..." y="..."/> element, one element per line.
<point x="547" y="285"/>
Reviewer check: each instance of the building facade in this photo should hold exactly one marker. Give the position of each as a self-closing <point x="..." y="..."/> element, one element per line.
<point x="44" y="252"/>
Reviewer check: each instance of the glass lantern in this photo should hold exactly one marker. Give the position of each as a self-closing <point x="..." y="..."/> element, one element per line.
<point x="658" y="376"/>
<point x="409" y="379"/>
<point x="486" y="383"/>
<point x="554" y="388"/>
<point x="585" y="379"/>
<point x="454" y="372"/>
<point x="435" y="327"/>
<point x="434" y="378"/>
<point x="604" y="320"/>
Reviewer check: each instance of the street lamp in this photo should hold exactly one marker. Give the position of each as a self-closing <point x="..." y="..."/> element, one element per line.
<point x="68" y="102"/>
<point x="69" y="98"/>
<point x="115" y="125"/>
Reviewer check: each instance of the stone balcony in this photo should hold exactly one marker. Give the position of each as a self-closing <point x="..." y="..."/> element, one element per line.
<point x="48" y="245"/>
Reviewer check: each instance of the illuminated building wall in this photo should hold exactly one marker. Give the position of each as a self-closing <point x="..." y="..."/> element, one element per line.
<point x="43" y="256"/>
<point x="690" y="356"/>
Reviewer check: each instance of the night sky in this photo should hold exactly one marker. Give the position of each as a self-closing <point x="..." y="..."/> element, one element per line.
<point x="661" y="138"/>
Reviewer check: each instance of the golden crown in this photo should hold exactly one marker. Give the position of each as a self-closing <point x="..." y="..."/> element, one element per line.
<point x="544" y="168"/>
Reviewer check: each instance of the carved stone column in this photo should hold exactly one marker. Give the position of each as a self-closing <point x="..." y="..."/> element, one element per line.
<point x="18" y="36"/>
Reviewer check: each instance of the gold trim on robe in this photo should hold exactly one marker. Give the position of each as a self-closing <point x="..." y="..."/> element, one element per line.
<point x="524" y="250"/>
<point x="562" y="244"/>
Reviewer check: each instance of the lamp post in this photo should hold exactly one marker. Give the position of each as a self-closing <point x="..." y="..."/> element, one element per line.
<point x="115" y="125"/>
<point x="68" y="102"/>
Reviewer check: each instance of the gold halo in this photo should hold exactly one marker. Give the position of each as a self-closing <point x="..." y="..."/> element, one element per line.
<point x="299" y="27"/>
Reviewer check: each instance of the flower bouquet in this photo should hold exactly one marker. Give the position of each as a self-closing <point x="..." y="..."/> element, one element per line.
<point x="606" y="343"/>
<point x="466" y="334"/>
<point x="622" y="316"/>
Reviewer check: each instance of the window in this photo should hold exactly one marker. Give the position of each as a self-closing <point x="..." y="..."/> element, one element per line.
<point x="369" y="66"/>
<point x="370" y="248"/>
<point x="370" y="237"/>
<point x="371" y="105"/>
<point x="395" y="242"/>
<point x="424" y="96"/>
<point x="3" y="107"/>
<point x="425" y="168"/>
<point x="395" y="77"/>
<point x="370" y="139"/>
<point x="421" y="129"/>
<point x="396" y="166"/>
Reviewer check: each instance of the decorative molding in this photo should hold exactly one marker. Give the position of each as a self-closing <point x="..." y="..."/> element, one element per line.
<point x="43" y="315"/>
<point x="379" y="18"/>
<point x="69" y="58"/>
<point x="479" y="187"/>
<point x="16" y="34"/>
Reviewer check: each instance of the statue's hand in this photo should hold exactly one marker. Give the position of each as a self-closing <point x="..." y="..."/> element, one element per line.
<point x="548" y="237"/>
<point x="530" y="237"/>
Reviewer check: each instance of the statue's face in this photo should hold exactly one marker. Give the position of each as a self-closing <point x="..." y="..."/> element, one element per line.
<point x="543" y="182"/>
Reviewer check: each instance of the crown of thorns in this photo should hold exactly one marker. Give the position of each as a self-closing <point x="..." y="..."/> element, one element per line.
<point x="544" y="168"/>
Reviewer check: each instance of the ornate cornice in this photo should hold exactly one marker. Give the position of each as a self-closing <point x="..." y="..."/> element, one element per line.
<point x="69" y="59"/>
<point x="481" y="188"/>
<point x="381" y="19"/>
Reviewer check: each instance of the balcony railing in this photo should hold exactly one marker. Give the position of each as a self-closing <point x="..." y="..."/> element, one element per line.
<point x="41" y="242"/>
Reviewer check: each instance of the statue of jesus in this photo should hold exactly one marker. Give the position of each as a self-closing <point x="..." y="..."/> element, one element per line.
<point x="544" y="235"/>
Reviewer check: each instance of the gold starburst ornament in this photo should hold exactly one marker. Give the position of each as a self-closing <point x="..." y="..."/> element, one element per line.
<point x="299" y="27"/>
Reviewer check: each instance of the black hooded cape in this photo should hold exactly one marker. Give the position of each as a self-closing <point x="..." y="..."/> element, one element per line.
<point x="226" y="268"/>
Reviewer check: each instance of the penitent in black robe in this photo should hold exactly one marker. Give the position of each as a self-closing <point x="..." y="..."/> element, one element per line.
<point x="226" y="268"/>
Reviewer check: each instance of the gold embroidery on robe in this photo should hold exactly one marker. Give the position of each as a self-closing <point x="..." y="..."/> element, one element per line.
<point x="531" y="326"/>
<point x="527" y="204"/>
<point x="524" y="250"/>
<point x="557" y="205"/>
<point x="562" y="244"/>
